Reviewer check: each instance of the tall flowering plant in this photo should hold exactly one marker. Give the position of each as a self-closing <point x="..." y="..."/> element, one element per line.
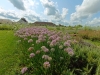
<point x="45" y="52"/>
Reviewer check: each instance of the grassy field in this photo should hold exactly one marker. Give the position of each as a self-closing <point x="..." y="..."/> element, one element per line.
<point x="14" y="55"/>
<point x="8" y="53"/>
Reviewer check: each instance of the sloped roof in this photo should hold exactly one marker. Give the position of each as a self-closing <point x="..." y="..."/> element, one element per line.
<point x="23" y="20"/>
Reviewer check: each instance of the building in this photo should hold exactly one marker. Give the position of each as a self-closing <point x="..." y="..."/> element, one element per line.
<point x="44" y="24"/>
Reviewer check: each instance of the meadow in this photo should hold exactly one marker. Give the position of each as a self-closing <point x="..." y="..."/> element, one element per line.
<point x="8" y="53"/>
<point x="45" y="50"/>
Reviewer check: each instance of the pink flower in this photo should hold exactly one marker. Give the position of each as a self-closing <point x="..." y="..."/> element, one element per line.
<point x="31" y="48"/>
<point x="32" y="55"/>
<point x="60" y="47"/>
<point x="48" y="42"/>
<point x="49" y="58"/>
<point x="32" y="36"/>
<point x="45" y="57"/>
<point x="67" y="44"/>
<point x="69" y="51"/>
<point x="46" y="65"/>
<point x="30" y="40"/>
<point x="64" y="38"/>
<point x="37" y="52"/>
<point x="74" y="41"/>
<point x="25" y="38"/>
<point x="37" y="41"/>
<point x="52" y="49"/>
<point x="68" y="36"/>
<point x="27" y="33"/>
<point x="24" y="69"/>
<point x="54" y="42"/>
<point x="58" y="38"/>
<point x="69" y="41"/>
<point x="40" y="36"/>
<point x="51" y="44"/>
<point x="51" y="37"/>
<point x="44" y="49"/>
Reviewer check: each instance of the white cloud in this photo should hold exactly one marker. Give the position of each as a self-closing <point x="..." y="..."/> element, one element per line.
<point x="10" y="14"/>
<point x="30" y="4"/>
<point x="64" y="12"/>
<point x="53" y="13"/>
<point x="89" y="6"/>
<point x="1" y="9"/>
<point x="95" y="21"/>
<point x="51" y="10"/>
<point x="49" y="6"/>
<point x="30" y="15"/>
<point x="27" y="7"/>
<point x="85" y="10"/>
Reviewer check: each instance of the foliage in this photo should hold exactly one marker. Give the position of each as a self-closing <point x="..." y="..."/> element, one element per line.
<point x="6" y="27"/>
<point x="90" y="34"/>
<point x="46" y="52"/>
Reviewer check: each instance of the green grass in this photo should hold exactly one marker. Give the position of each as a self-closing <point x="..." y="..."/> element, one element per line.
<point x="8" y="53"/>
<point x="96" y="43"/>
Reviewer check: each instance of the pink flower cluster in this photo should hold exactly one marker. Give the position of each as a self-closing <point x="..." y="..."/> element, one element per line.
<point x="38" y="51"/>
<point x="32" y="55"/>
<point x="46" y="65"/>
<point x="30" y="48"/>
<point x="31" y="32"/>
<point x="30" y="40"/>
<point x="67" y="43"/>
<point x="69" y="51"/>
<point x="52" y="49"/>
<point x="61" y="47"/>
<point x="46" y="57"/>
<point x="24" y="69"/>
<point x="54" y="40"/>
<point x="45" y="49"/>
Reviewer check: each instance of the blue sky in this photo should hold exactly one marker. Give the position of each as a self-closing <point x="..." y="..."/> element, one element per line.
<point x="65" y="12"/>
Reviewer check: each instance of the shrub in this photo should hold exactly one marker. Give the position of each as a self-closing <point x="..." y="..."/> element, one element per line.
<point x="6" y="27"/>
<point x="46" y="52"/>
<point x="90" y="34"/>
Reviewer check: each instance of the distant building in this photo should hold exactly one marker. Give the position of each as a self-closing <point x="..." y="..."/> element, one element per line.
<point x="22" y="21"/>
<point x="44" y="24"/>
<point x="5" y="21"/>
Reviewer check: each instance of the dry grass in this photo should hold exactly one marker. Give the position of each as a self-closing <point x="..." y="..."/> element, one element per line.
<point x="90" y="34"/>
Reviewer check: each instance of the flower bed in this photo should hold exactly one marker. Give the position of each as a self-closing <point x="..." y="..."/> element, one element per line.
<point x="47" y="52"/>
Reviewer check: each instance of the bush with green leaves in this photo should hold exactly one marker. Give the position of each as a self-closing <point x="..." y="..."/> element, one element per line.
<point x="46" y="52"/>
<point x="6" y="27"/>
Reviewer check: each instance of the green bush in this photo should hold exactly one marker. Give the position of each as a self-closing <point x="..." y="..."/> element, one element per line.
<point x="6" y="27"/>
<point x="42" y="55"/>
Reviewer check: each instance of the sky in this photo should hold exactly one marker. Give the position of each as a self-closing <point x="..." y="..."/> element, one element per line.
<point x="65" y="12"/>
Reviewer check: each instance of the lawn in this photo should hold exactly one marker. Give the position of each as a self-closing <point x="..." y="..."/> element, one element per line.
<point x="8" y="53"/>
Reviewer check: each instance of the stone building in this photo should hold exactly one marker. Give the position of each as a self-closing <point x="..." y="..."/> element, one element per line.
<point x="44" y="24"/>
